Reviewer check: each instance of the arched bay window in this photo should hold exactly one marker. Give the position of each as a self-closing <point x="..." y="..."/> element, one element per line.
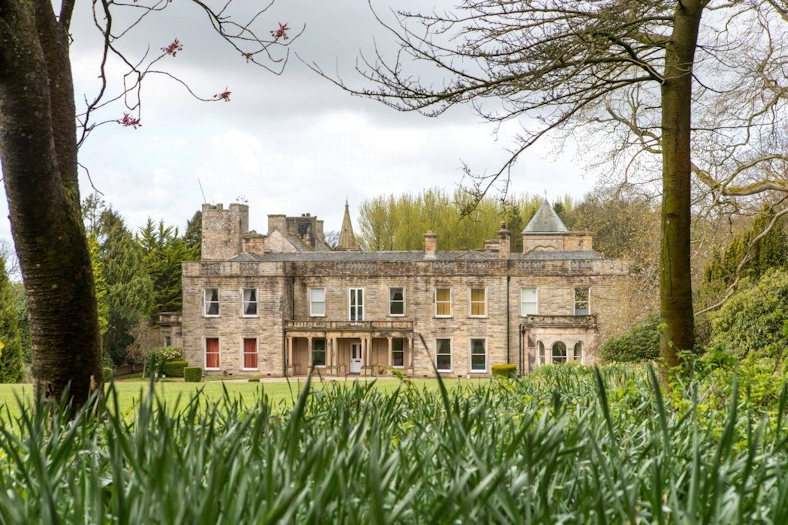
<point x="559" y="352"/>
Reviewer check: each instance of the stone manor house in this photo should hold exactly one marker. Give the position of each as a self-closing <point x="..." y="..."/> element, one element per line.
<point x="278" y="304"/>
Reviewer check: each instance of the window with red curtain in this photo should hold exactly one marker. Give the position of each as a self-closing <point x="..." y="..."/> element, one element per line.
<point x="250" y="353"/>
<point x="212" y="352"/>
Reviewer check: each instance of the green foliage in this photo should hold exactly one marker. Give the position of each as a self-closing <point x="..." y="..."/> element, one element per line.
<point x="506" y="370"/>
<point x="192" y="374"/>
<point x="99" y="282"/>
<point x="639" y="343"/>
<point x="23" y="321"/>
<point x="107" y="374"/>
<point x="566" y="444"/>
<point x="173" y="368"/>
<point x="755" y="319"/>
<point x="171" y="353"/>
<point x="254" y="379"/>
<point x="193" y="234"/>
<point x="164" y="252"/>
<point x="11" y="363"/>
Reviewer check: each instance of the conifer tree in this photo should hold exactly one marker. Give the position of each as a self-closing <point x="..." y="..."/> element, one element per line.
<point x="193" y="233"/>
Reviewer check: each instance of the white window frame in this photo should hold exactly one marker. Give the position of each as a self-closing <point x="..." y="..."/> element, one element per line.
<point x="363" y="305"/>
<point x="552" y="352"/>
<point x="451" y="354"/>
<point x="403" y="353"/>
<point x="205" y="302"/>
<point x="325" y="352"/>
<point x="404" y="301"/>
<point x="205" y="352"/>
<point x="470" y="302"/>
<point x="435" y="301"/>
<point x="256" y="302"/>
<point x="541" y="353"/>
<point x="470" y="355"/>
<point x="325" y="295"/>
<point x="256" y="349"/>
<point x="575" y="301"/>
<point x="536" y="292"/>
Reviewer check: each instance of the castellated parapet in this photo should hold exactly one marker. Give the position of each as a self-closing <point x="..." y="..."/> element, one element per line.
<point x="222" y="230"/>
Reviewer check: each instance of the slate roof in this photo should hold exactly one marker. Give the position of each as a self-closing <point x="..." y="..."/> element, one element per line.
<point x="546" y="220"/>
<point x="411" y="256"/>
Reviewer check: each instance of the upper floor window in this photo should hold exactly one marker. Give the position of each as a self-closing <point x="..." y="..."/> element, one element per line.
<point x="528" y="302"/>
<point x="582" y="301"/>
<point x="356" y="304"/>
<point x="396" y="301"/>
<point x="478" y="302"/>
<point x="211" y="302"/>
<point x="443" y="355"/>
<point x="442" y="302"/>
<point x="317" y="302"/>
<point x="249" y="302"/>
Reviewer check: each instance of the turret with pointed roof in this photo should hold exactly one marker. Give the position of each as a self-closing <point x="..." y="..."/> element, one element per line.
<point x="547" y="232"/>
<point x="545" y="220"/>
<point x="347" y="240"/>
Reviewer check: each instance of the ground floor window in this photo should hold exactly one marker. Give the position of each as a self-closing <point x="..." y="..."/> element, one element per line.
<point x="211" y="353"/>
<point x="443" y="355"/>
<point x="579" y="351"/>
<point x="318" y="352"/>
<point x="398" y="352"/>
<point x="559" y="352"/>
<point x="250" y="353"/>
<point x="542" y="353"/>
<point x="478" y="355"/>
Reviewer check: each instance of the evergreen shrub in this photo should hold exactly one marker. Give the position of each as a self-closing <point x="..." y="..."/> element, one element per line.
<point x="174" y="368"/>
<point x="507" y="370"/>
<point x="192" y="374"/>
<point x="639" y="343"/>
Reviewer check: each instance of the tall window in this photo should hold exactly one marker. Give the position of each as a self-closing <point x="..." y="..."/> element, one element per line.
<point x="582" y="298"/>
<point x="478" y="355"/>
<point x="319" y="352"/>
<point x="211" y="302"/>
<point x="559" y="352"/>
<point x="528" y="303"/>
<point x="356" y="304"/>
<point x="579" y="352"/>
<point x="317" y="302"/>
<point x="250" y="353"/>
<point x="211" y="353"/>
<point x="443" y="355"/>
<point x="250" y="302"/>
<point x="542" y="353"/>
<point x="396" y="301"/>
<point x="478" y="302"/>
<point x="442" y="302"/>
<point x="398" y="352"/>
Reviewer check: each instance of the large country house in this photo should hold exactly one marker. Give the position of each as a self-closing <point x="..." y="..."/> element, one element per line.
<point x="280" y="303"/>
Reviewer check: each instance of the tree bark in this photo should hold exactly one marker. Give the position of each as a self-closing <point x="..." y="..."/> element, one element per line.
<point x="39" y="159"/>
<point x="675" y="279"/>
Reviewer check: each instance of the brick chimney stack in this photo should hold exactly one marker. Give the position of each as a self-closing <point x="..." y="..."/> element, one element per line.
<point x="505" y="242"/>
<point x="430" y="244"/>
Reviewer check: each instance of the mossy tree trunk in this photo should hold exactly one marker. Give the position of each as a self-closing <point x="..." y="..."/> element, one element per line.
<point x="39" y="158"/>
<point x="675" y="277"/>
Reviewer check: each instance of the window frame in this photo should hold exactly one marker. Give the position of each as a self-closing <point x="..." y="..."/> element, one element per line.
<point x="325" y="352"/>
<point x="309" y="295"/>
<point x="471" y="354"/>
<point x="552" y="353"/>
<point x="205" y="352"/>
<point x="541" y="353"/>
<point x="256" y="353"/>
<point x="205" y="302"/>
<point x="587" y="301"/>
<point x="574" y="350"/>
<point x="435" y="302"/>
<point x="363" y="305"/>
<point x="450" y="354"/>
<point x="402" y="339"/>
<point x="256" y="303"/>
<point x="536" y="302"/>
<point x="403" y="301"/>
<point x="471" y="302"/>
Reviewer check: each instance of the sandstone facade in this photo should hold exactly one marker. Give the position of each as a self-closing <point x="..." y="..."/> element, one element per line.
<point x="461" y="312"/>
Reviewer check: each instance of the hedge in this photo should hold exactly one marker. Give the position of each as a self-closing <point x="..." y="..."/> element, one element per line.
<point x="507" y="370"/>
<point x="192" y="374"/>
<point x="639" y="343"/>
<point x="173" y="368"/>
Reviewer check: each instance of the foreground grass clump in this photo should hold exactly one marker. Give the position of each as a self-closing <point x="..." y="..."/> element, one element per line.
<point x="565" y="444"/>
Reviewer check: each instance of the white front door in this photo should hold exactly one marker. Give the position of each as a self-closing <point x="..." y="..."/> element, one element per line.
<point x="355" y="358"/>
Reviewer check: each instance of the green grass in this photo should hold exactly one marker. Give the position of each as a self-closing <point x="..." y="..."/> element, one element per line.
<point x="567" y="444"/>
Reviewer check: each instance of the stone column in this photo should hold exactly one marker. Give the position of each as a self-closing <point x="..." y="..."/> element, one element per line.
<point x="309" y="351"/>
<point x="391" y="349"/>
<point x="290" y="368"/>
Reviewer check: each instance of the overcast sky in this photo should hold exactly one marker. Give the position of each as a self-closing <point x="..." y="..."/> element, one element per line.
<point x="286" y="144"/>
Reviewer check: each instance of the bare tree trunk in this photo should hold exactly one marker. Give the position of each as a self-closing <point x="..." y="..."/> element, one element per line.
<point x="39" y="159"/>
<point x="675" y="279"/>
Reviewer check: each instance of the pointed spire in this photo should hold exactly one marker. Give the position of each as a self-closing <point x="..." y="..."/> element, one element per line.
<point x="546" y="220"/>
<point x="347" y="240"/>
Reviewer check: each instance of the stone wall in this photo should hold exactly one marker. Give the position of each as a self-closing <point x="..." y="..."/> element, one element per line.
<point x="222" y="230"/>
